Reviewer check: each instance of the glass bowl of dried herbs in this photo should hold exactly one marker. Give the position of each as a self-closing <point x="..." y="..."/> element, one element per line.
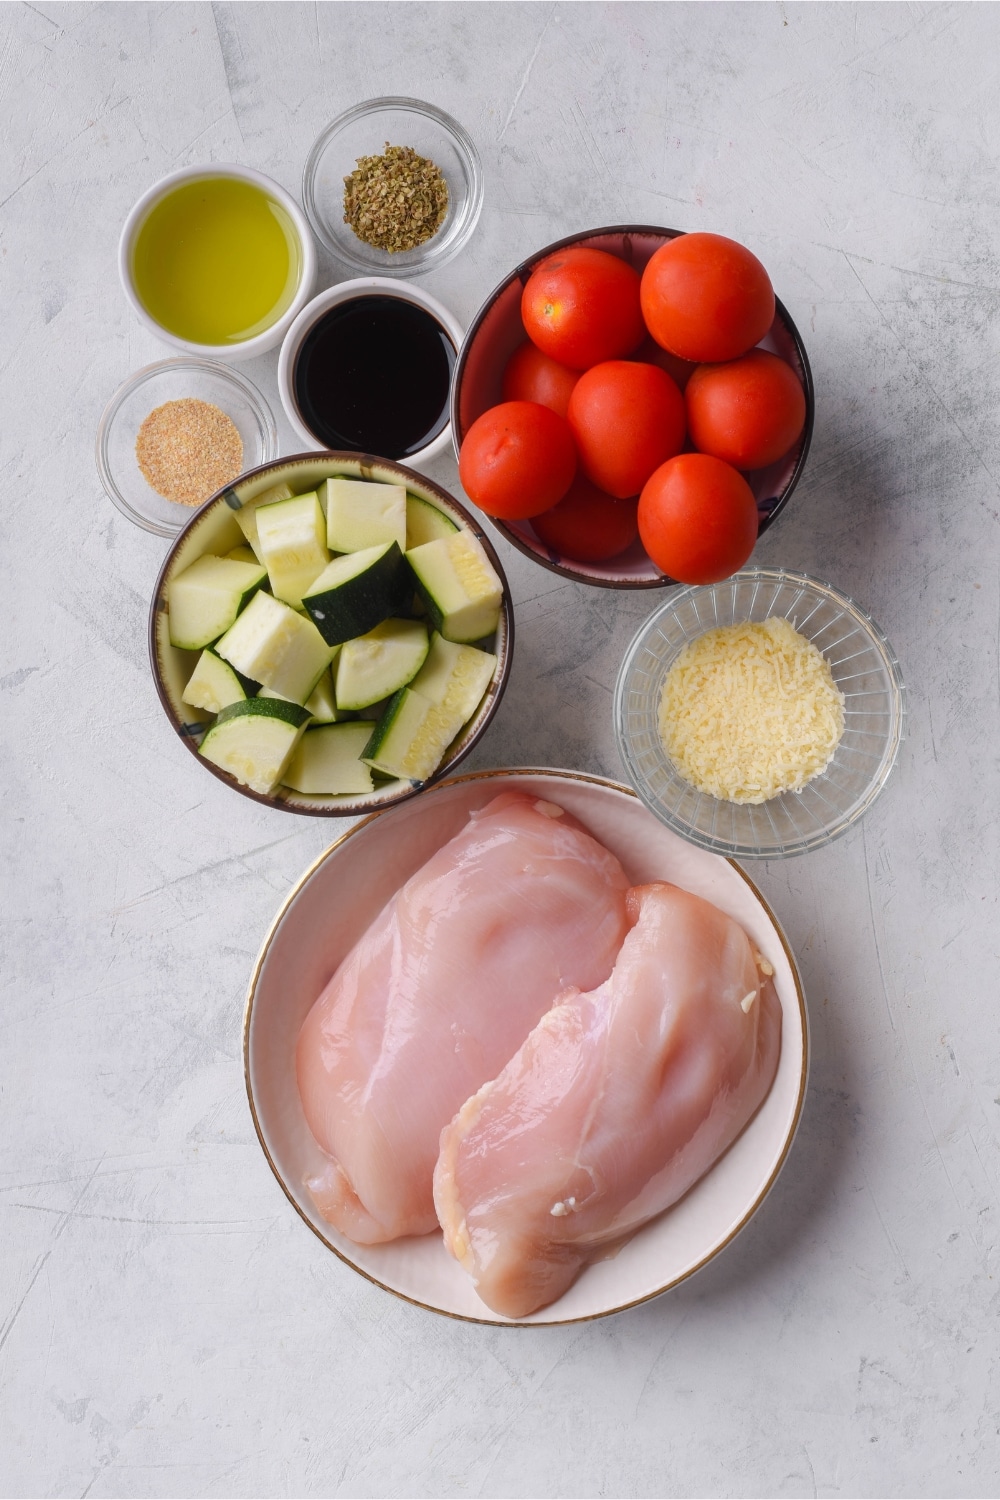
<point x="393" y="186"/>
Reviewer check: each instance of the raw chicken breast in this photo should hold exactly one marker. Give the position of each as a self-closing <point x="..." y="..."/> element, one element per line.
<point x="615" y="1105"/>
<point x="439" y="994"/>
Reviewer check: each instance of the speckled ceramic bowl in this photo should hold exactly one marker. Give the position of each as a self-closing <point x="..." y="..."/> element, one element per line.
<point x="340" y="895"/>
<point x="496" y="331"/>
<point x="213" y="529"/>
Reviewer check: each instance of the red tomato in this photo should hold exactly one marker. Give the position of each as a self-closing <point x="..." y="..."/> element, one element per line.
<point x="532" y="376"/>
<point x="626" y="418"/>
<point x="748" y="412"/>
<point x="581" y="306"/>
<point x="697" y="519"/>
<point x="517" y="460"/>
<point x="587" y="524"/>
<point x="705" y="297"/>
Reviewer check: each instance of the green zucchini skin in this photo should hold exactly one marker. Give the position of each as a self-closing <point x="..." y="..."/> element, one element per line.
<point x="363" y="600"/>
<point x="425" y="523"/>
<point x="381" y="732"/>
<point x="411" y="737"/>
<point x="459" y="586"/>
<point x="266" y="708"/>
<point x="253" y="741"/>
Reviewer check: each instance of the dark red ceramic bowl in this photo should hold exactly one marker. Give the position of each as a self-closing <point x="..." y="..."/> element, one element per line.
<point x="496" y="331"/>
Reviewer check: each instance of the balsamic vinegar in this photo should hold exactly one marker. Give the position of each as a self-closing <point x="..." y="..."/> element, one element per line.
<point x="374" y="375"/>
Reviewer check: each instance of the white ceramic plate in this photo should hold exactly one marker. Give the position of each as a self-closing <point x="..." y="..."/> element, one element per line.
<point x="341" y="894"/>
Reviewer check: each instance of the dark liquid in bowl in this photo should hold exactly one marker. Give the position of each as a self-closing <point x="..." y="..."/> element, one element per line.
<point x="374" y="375"/>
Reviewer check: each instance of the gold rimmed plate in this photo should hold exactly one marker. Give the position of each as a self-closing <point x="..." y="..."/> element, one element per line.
<point x="336" y="899"/>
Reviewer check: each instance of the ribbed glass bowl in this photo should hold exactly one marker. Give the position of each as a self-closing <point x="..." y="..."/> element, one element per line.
<point x="864" y="668"/>
<point x="364" y="131"/>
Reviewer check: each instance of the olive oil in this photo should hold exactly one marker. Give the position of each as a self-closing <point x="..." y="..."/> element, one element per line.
<point x="373" y="376"/>
<point x="216" y="261"/>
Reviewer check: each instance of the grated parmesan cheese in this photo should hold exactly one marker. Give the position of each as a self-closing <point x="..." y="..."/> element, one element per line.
<point x="749" y="711"/>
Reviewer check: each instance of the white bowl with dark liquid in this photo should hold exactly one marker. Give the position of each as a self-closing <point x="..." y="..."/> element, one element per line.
<point x="397" y="408"/>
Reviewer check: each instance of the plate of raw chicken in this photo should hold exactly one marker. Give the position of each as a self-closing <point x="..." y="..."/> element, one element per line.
<point x="519" y="1054"/>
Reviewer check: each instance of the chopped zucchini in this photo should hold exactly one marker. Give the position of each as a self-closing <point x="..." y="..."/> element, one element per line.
<point x="361" y="514"/>
<point x="412" y="736"/>
<point x="425" y="523"/>
<point x="455" y="676"/>
<point x="243" y="554"/>
<point x="322" y="704"/>
<point x="402" y="742"/>
<point x="326" y="760"/>
<point x="356" y="592"/>
<point x="459" y="586"/>
<point x="376" y="665"/>
<point x="423" y="719"/>
<point x="276" y="647"/>
<point x="373" y="712"/>
<point x="254" y="740"/>
<point x="205" y="599"/>
<point x="246" y="515"/>
<point x="291" y="536"/>
<point x="213" y="685"/>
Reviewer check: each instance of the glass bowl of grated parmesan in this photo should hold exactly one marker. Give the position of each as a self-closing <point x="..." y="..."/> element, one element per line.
<point x="761" y="716"/>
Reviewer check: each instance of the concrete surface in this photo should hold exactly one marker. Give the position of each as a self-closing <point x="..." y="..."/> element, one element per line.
<point x="167" y="1325"/>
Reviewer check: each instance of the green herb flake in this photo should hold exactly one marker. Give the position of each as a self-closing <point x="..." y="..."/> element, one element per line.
<point x="395" y="201"/>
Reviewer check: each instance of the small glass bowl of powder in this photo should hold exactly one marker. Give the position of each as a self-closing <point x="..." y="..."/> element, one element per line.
<point x="174" y="434"/>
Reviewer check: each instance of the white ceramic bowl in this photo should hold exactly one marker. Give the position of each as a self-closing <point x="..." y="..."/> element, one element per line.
<point x="339" y="896"/>
<point x="271" y="336"/>
<point x="347" y="291"/>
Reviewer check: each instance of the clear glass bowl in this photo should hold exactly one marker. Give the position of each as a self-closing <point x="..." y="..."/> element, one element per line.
<point x="864" y="668"/>
<point x="363" y="131"/>
<point x="173" y="380"/>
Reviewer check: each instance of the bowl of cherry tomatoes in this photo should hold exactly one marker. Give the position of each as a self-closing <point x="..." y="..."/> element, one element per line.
<point x="632" y="407"/>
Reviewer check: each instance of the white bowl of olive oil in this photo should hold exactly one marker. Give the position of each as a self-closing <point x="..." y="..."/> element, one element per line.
<point x="217" y="260"/>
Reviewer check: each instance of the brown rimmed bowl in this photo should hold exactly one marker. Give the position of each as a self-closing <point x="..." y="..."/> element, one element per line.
<point x="496" y="331"/>
<point x="327" y="910"/>
<point x="213" y="529"/>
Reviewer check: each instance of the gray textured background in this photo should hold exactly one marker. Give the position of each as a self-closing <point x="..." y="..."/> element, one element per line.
<point x="167" y="1325"/>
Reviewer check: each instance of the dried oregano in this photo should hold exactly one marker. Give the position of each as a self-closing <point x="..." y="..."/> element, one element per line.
<point x="395" y="201"/>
